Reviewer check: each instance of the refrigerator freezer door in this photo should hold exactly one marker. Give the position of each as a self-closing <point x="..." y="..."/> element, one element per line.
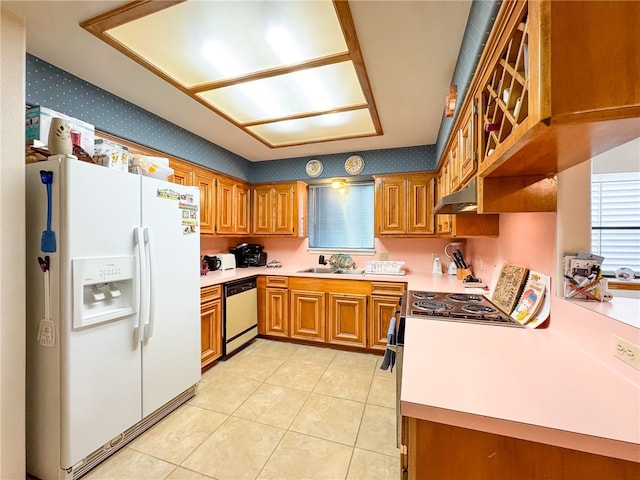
<point x="101" y="364"/>
<point x="171" y="343"/>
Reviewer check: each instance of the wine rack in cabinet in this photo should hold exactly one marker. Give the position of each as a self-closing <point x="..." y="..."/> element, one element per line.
<point x="505" y="97"/>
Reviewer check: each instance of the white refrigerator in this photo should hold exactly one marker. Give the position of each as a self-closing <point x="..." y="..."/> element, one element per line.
<point x="113" y="310"/>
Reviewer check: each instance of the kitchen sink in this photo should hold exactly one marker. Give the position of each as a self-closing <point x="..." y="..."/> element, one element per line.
<point x="338" y="271"/>
<point x="318" y="270"/>
<point x="353" y="271"/>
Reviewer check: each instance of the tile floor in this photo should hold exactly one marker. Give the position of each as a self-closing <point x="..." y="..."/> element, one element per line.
<point x="275" y="410"/>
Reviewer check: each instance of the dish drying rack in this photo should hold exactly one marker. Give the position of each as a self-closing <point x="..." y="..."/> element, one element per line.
<point x="384" y="267"/>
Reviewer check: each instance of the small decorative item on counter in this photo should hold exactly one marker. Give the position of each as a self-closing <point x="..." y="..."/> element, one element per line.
<point x="624" y="273"/>
<point x="341" y="260"/>
<point x="274" y="264"/>
<point x="437" y="266"/>
<point x="583" y="277"/>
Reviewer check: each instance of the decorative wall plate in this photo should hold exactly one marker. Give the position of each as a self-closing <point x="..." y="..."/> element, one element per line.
<point x="314" y="168"/>
<point x="354" y="165"/>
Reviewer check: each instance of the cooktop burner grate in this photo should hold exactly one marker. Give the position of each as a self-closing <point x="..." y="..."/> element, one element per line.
<point x="425" y="295"/>
<point x="482" y="309"/>
<point x="432" y="306"/>
<point x="464" y="297"/>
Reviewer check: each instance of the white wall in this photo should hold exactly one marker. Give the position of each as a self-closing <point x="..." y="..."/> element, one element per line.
<point x="12" y="247"/>
<point x="624" y="158"/>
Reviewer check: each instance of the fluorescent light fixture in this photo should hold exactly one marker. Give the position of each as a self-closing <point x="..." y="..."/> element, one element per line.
<point x="286" y="72"/>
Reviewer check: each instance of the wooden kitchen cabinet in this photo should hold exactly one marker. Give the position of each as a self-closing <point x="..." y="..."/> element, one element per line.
<point x="307" y="315"/>
<point x="553" y="90"/>
<point x="404" y="205"/>
<point x="273" y="306"/>
<point x="232" y="207"/>
<point x="181" y="173"/>
<point x="185" y="173"/>
<point x="385" y="301"/>
<point x="463" y="225"/>
<point x="279" y="209"/>
<point x="435" y="451"/>
<point x="210" y="324"/>
<point x="205" y="182"/>
<point x="347" y="319"/>
<point x="344" y="322"/>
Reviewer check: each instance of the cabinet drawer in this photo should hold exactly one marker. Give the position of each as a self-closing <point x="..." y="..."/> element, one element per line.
<point x="277" y="282"/>
<point x="207" y="294"/>
<point x="387" y="288"/>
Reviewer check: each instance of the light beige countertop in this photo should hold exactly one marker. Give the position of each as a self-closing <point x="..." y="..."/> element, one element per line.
<point x="523" y="383"/>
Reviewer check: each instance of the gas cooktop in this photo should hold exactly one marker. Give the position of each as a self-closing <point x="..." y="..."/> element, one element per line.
<point x="456" y="307"/>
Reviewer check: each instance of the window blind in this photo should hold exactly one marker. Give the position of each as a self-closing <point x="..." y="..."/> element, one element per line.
<point x="615" y="220"/>
<point x="341" y="218"/>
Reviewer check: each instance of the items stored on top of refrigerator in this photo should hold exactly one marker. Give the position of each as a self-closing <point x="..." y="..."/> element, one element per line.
<point x="113" y="318"/>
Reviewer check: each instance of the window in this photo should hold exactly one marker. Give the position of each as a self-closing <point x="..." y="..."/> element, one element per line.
<point x="341" y="219"/>
<point x="615" y="220"/>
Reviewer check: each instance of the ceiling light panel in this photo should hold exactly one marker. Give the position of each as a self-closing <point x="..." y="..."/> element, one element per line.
<point x="320" y="128"/>
<point x="287" y="72"/>
<point x="196" y="42"/>
<point x="313" y="90"/>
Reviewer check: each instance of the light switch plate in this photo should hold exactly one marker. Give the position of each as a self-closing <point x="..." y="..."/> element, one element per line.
<point x="626" y="351"/>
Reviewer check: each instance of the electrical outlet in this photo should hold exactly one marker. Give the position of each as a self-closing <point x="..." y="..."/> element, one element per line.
<point x="384" y="255"/>
<point x="626" y="351"/>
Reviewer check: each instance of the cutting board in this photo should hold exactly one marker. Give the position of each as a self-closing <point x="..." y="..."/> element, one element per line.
<point x="509" y="286"/>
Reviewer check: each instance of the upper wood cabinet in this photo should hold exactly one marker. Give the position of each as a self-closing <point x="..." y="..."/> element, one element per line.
<point x="204" y="180"/>
<point x="224" y="202"/>
<point x="462" y="225"/>
<point x="404" y="205"/>
<point x="557" y="84"/>
<point x="186" y="173"/>
<point x="279" y="209"/>
<point x="232" y="207"/>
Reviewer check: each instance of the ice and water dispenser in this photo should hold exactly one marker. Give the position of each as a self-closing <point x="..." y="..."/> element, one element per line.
<point x="103" y="289"/>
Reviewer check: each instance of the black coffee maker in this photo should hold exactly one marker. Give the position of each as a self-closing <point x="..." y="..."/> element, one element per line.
<point x="249" y="255"/>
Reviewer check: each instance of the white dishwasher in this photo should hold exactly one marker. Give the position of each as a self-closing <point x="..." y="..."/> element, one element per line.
<point x="240" y="313"/>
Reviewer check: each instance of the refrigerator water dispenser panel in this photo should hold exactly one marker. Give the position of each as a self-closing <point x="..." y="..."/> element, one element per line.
<point x="104" y="289"/>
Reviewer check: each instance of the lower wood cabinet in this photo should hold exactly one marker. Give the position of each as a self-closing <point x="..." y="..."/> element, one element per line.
<point x="435" y="451"/>
<point x="210" y="324"/>
<point x="385" y="301"/>
<point x="307" y="315"/>
<point x="347" y="319"/>
<point x="353" y="313"/>
<point x="273" y="306"/>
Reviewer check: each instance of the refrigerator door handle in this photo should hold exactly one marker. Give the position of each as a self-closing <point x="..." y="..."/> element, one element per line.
<point x="150" y="321"/>
<point x="138" y="237"/>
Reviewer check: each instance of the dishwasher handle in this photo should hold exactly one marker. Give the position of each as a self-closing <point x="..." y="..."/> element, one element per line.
<point x="237" y="288"/>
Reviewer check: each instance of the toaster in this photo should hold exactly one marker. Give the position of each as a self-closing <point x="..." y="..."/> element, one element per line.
<point x="227" y="261"/>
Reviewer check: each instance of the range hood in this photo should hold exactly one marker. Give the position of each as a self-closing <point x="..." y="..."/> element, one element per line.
<point x="462" y="201"/>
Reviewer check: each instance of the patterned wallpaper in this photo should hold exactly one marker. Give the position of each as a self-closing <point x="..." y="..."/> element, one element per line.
<point x="481" y="17"/>
<point x="52" y="87"/>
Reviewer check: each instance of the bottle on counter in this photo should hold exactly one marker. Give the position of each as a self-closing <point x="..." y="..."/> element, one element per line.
<point x="437" y="266"/>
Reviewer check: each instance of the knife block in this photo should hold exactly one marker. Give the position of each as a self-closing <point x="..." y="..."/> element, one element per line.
<point x="463" y="273"/>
